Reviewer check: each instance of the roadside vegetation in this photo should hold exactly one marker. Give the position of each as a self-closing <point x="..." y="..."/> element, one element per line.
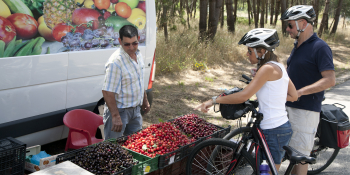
<point x="183" y="51"/>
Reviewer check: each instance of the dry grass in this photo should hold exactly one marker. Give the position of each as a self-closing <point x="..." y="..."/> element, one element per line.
<point x="185" y="52"/>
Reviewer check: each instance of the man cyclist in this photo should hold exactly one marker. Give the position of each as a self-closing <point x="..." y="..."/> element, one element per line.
<point x="310" y="67"/>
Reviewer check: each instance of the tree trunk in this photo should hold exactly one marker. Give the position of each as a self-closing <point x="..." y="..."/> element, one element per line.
<point x="284" y="23"/>
<point x="164" y="20"/>
<point x="304" y="2"/>
<point x="203" y="13"/>
<point x="262" y="15"/>
<point x="235" y="11"/>
<point x="266" y="10"/>
<point x="272" y="11"/>
<point x="249" y="11"/>
<point x="316" y="7"/>
<point x="326" y="23"/>
<point x="230" y="17"/>
<point x="214" y="13"/>
<point x="336" y="17"/>
<point x="180" y="9"/>
<point x="193" y="8"/>
<point x="222" y="14"/>
<point x="277" y="10"/>
<point x="258" y="7"/>
<point x="344" y="23"/>
<point x="256" y="18"/>
<point x="188" y="14"/>
<point x="324" y="18"/>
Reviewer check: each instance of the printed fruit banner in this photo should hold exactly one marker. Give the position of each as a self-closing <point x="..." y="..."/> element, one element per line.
<point x="33" y="27"/>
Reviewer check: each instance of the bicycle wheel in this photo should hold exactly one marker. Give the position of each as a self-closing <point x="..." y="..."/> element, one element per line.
<point x="201" y="160"/>
<point x="324" y="157"/>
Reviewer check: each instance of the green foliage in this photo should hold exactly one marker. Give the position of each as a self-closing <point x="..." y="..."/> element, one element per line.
<point x="244" y="21"/>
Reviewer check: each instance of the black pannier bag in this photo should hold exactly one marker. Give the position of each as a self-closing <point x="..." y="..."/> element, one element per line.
<point x="334" y="126"/>
<point x="228" y="110"/>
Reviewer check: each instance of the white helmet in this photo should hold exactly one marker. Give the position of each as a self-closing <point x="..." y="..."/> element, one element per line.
<point x="306" y="12"/>
<point x="261" y="37"/>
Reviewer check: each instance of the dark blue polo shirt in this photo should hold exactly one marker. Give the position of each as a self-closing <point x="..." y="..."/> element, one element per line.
<point x="304" y="67"/>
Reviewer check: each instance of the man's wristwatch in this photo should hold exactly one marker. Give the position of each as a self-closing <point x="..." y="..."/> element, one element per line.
<point x="214" y="99"/>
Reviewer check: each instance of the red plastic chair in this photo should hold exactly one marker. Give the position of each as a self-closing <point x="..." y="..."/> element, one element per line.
<point x="82" y="126"/>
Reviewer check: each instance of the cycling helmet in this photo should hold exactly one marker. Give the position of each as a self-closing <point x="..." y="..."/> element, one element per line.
<point x="228" y="110"/>
<point x="306" y="12"/>
<point x="261" y="37"/>
<point x="295" y="13"/>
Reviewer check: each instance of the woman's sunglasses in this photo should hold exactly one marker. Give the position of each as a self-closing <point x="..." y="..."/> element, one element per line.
<point x="128" y="44"/>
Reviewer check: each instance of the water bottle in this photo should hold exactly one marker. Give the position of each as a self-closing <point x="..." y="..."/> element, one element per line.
<point x="264" y="168"/>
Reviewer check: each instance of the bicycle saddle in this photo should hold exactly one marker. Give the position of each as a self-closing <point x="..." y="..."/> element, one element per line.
<point x="297" y="156"/>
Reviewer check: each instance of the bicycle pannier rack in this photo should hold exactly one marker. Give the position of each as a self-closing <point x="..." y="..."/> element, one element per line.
<point x="334" y="126"/>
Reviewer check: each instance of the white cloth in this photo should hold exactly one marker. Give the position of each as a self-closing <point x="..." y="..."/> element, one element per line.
<point x="124" y="77"/>
<point x="272" y="98"/>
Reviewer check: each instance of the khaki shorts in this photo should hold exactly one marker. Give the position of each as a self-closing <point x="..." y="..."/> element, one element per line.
<point x="304" y="124"/>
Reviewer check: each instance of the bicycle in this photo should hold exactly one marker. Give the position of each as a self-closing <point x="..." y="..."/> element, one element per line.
<point x="324" y="155"/>
<point x="227" y="157"/>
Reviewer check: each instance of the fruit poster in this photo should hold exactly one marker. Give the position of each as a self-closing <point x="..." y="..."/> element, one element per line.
<point x="34" y="27"/>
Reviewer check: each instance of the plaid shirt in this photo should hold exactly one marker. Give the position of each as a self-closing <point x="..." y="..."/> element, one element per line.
<point x="124" y="77"/>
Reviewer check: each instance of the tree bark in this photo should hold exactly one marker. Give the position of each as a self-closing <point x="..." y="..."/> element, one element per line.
<point x="272" y="11"/>
<point x="195" y="7"/>
<point x="230" y="17"/>
<point x="203" y="12"/>
<point x="324" y="18"/>
<point x="256" y="18"/>
<point x="277" y="10"/>
<point x="316" y="7"/>
<point x="214" y="13"/>
<point x="235" y="11"/>
<point x="249" y="11"/>
<point x="181" y="6"/>
<point x="266" y="10"/>
<point x="258" y="7"/>
<point x="326" y="28"/>
<point x="262" y="15"/>
<point x="164" y="20"/>
<point x="188" y="14"/>
<point x="336" y="17"/>
<point x="222" y="14"/>
<point x="284" y="23"/>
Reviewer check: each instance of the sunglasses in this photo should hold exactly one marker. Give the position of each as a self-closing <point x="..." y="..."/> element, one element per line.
<point x="128" y="44"/>
<point x="249" y="52"/>
<point x="290" y="26"/>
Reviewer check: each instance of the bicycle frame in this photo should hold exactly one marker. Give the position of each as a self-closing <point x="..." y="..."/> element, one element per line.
<point x="258" y="139"/>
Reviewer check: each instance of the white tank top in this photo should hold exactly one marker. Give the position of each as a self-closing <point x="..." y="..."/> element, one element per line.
<point x="272" y="98"/>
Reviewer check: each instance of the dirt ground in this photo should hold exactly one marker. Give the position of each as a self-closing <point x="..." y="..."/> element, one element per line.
<point x="179" y="93"/>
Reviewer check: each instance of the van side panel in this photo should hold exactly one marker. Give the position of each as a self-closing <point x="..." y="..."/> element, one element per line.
<point x="84" y="91"/>
<point x="150" y="38"/>
<point x="88" y="63"/>
<point x="31" y="70"/>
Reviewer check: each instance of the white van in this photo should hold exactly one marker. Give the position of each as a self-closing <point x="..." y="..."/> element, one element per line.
<point x="37" y="91"/>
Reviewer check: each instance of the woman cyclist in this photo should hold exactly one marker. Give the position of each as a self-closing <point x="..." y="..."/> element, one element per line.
<point x="271" y="85"/>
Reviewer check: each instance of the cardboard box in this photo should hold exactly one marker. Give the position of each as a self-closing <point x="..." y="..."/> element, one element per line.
<point x="44" y="162"/>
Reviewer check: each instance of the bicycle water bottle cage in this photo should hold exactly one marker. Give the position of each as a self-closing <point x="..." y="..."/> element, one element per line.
<point x="228" y="110"/>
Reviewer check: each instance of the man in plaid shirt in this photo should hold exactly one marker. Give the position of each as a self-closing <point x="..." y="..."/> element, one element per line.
<point x="123" y="88"/>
